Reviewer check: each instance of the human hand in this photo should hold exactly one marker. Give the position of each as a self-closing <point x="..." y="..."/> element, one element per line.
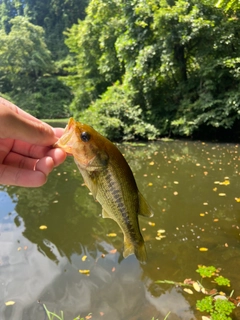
<point x="26" y="152"/>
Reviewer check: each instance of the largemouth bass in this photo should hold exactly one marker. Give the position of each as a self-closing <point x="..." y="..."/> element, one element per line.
<point x="110" y="180"/>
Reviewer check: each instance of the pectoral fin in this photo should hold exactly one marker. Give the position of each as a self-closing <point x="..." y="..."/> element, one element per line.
<point x="144" y="208"/>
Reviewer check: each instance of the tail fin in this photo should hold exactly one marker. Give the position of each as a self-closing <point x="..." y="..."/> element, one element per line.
<point x="139" y="250"/>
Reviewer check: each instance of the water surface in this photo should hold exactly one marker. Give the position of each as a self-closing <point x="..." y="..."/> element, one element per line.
<point x="182" y="181"/>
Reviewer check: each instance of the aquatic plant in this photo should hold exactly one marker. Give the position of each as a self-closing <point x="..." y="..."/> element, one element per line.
<point x="216" y="304"/>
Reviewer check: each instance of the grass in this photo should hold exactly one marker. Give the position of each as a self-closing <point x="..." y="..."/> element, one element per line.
<point x="53" y="316"/>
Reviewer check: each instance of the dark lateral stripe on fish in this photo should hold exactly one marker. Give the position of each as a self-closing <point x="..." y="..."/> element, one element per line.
<point x="116" y="193"/>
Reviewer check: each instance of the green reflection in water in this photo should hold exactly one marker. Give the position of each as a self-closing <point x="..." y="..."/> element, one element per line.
<point x="179" y="181"/>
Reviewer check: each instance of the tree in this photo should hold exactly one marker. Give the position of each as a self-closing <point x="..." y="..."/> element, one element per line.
<point x="26" y="71"/>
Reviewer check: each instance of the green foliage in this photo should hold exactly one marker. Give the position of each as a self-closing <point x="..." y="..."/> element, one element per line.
<point x="181" y="60"/>
<point x="221" y="281"/>
<point x="206" y="271"/>
<point x="116" y="116"/>
<point x="25" y="72"/>
<point x="217" y="305"/>
<point x="218" y="309"/>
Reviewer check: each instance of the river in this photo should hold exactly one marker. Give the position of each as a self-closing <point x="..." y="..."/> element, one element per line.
<point x="57" y="250"/>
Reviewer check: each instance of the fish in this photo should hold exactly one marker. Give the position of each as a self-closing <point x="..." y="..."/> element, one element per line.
<point x="109" y="178"/>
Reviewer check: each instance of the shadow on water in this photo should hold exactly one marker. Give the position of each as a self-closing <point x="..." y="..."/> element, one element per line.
<point x="183" y="182"/>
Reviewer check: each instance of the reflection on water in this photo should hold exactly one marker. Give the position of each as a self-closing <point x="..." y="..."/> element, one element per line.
<point x="185" y="184"/>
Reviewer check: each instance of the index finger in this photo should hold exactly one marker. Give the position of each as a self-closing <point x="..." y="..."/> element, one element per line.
<point x="17" y="110"/>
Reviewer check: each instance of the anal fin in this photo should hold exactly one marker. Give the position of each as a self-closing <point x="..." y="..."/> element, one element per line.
<point x="144" y="208"/>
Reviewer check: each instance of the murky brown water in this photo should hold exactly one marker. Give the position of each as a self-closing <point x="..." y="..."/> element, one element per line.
<point x="179" y="180"/>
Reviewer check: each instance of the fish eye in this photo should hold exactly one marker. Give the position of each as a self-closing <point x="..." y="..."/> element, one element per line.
<point x="85" y="136"/>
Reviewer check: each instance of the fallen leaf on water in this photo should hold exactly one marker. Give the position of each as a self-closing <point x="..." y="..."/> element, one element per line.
<point x="113" y="251"/>
<point x="9" y="303"/>
<point x="237" y="199"/>
<point x="222" y="194"/>
<point x="203" y="249"/>
<point x="175" y="182"/>
<point x="205" y="203"/>
<point x="215" y="220"/>
<point x="160" y="237"/>
<point x="196" y="286"/>
<point x="87" y="272"/>
<point x="214" y="189"/>
<point x="111" y="234"/>
<point x="161" y="231"/>
<point x="204" y="291"/>
<point x="55" y="201"/>
<point x="84" y="258"/>
<point x="175" y="193"/>
<point x="150" y="184"/>
<point x="113" y="269"/>
<point x="189" y="291"/>
<point x="202" y="214"/>
<point x="152" y="224"/>
<point x="151" y="163"/>
<point x="19" y="248"/>
<point x="225" y="183"/>
<point x="43" y="227"/>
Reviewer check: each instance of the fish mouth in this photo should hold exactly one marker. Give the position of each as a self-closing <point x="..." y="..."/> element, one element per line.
<point x="65" y="142"/>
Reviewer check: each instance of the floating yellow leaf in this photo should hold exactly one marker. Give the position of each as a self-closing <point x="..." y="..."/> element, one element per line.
<point x="43" y="227"/>
<point x="160" y="237"/>
<point x="216" y="182"/>
<point x="55" y="201"/>
<point x="196" y="286"/>
<point x="111" y="234"/>
<point x="152" y="224"/>
<point x="189" y="291"/>
<point x="205" y="203"/>
<point x="84" y="258"/>
<point x="161" y="231"/>
<point x="203" y="249"/>
<point x="216" y="220"/>
<point x="214" y="189"/>
<point x="175" y="182"/>
<point x="198" y="164"/>
<point x="175" y="193"/>
<point x="202" y="214"/>
<point x="9" y="303"/>
<point x="237" y="199"/>
<point x="151" y="163"/>
<point x="225" y="183"/>
<point x="87" y="272"/>
<point x="222" y="194"/>
<point x="150" y="184"/>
